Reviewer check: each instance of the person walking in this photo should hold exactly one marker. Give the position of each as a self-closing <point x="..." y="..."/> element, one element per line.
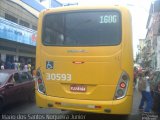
<point x="2" y="66"/>
<point x="25" y="67"/>
<point x="144" y="87"/>
<point x="19" y="66"/>
<point x="135" y="76"/>
<point x="15" y="65"/>
<point x="29" y="67"/>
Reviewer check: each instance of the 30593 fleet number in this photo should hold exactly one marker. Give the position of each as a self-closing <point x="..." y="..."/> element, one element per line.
<point x="58" y="76"/>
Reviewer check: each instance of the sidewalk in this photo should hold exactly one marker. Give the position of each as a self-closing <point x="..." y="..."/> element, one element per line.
<point x="136" y="101"/>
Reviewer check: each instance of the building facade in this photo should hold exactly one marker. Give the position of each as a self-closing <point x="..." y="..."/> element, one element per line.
<point x="140" y="55"/>
<point x="18" y="25"/>
<point x="150" y="53"/>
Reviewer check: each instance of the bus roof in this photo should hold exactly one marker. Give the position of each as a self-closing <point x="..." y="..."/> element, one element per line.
<point x="75" y="8"/>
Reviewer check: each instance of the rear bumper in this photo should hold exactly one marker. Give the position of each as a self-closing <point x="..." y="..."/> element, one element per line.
<point x="123" y="106"/>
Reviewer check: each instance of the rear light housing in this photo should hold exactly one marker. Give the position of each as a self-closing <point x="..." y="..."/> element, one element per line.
<point x="40" y="83"/>
<point x="122" y="86"/>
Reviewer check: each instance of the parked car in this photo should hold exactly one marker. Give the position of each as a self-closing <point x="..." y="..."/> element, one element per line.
<point x="15" y="86"/>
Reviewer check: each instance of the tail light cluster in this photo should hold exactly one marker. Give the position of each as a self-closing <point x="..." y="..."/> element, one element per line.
<point x="122" y="86"/>
<point x="40" y="83"/>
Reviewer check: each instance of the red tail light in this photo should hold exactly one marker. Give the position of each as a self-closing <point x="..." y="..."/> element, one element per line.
<point x="39" y="81"/>
<point x="122" y="85"/>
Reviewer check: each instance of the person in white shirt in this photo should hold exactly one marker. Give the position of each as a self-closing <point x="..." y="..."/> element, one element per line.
<point x="146" y="94"/>
<point x="2" y="67"/>
<point x="25" y="68"/>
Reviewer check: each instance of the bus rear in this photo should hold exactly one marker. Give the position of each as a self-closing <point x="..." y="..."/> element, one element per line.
<point x="84" y="59"/>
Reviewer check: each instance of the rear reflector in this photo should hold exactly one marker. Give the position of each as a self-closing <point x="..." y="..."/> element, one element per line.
<point x="94" y="106"/>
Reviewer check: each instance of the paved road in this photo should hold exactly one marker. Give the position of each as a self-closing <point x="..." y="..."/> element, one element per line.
<point x="30" y="108"/>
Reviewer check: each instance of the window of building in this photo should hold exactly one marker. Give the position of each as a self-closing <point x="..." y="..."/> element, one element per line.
<point x="11" y="18"/>
<point x="34" y="27"/>
<point x="24" y="23"/>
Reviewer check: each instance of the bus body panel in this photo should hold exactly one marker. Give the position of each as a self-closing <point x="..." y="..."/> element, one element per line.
<point x="99" y="74"/>
<point x="99" y="70"/>
<point x="124" y="105"/>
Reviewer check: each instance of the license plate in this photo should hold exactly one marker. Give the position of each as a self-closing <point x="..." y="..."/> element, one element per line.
<point x="78" y="88"/>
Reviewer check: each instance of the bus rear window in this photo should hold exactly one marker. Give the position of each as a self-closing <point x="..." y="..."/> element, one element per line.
<point x="102" y="28"/>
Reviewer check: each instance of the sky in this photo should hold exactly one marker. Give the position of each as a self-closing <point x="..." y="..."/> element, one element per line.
<point x="139" y="10"/>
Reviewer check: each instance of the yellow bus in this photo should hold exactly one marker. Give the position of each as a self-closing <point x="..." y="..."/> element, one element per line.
<point x="84" y="59"/>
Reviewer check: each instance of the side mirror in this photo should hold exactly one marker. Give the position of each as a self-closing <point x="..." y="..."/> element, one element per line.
<point x="8" y="85"/>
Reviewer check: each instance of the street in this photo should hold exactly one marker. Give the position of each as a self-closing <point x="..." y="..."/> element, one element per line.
<point x="31" y="109"/>
<point x="79" y="53"/>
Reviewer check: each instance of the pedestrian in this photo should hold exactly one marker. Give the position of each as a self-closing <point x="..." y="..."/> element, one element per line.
<point x="146" y="94"/>
<point x="2" y="66"/>
<point x="25" y="68"/>
<point x="22" y="65"/>
<point x="141" y="84"/>
<point x="15" y="65"/>
<point x="29" y="67"/>
<point x="34" y="73"/>
<point x="135" y="76"/>
<point x="19" y="66"/>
